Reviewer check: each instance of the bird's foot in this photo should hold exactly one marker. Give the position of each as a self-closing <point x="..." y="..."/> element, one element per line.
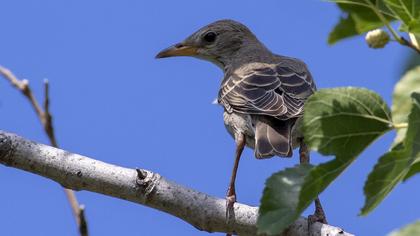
<point x="230" y="201"/>
<point x="321" y="218"/>
<point x="319" y="215"/>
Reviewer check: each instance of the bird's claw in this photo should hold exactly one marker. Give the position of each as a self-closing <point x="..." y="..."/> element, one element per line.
<point x="230" y="201"/>
<point x="317" y="217"/>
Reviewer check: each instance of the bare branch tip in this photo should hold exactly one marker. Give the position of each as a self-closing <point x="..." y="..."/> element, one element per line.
<point x="46" y="121"/>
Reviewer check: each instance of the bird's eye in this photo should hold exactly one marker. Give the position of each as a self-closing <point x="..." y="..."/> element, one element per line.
<point x="210" y="37"/>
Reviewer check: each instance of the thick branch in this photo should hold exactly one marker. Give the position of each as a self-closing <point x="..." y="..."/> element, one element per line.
<point x="140" y="186"/>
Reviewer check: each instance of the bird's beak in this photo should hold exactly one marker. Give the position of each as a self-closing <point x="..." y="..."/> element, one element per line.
<point x="178" y="49"/>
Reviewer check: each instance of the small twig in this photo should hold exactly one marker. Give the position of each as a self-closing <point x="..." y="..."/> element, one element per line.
<point x="23" y="86"/>
<point x="45" y="117"/>
<point x="408" y="43"/>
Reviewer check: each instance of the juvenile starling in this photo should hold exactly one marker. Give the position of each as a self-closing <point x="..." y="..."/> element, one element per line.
<point x="262" y="93"/>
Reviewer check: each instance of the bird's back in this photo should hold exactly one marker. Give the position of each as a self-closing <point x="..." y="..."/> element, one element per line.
<point x="272" y="92"/>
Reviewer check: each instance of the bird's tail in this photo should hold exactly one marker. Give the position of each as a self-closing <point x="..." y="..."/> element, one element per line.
<point x="273" y="137"/>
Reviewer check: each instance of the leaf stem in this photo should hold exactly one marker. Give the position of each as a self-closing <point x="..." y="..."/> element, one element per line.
<point x="400" y="125"/>
<point x="385" y="21"/>
<point x="401" y="40"/>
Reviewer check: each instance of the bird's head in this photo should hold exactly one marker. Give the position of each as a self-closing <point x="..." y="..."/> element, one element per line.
<point x="217" y="42"/>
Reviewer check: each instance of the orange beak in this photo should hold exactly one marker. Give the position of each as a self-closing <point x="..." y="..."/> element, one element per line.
<point x="178" y="49"/>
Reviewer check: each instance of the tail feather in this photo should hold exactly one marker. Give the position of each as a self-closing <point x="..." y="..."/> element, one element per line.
<point x="273" y="137"/>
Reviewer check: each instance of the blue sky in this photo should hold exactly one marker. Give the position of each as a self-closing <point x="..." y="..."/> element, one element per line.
<point x="113" y="101"/>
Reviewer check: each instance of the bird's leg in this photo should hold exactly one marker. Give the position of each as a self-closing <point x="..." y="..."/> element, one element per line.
<point x="231" y="193"/>
<point x="319" y="215"/>
<point x="304" y="157"/>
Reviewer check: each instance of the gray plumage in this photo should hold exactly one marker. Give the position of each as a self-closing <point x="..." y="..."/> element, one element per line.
<point x="262" y="93"/>
<point x="270" y="95"/>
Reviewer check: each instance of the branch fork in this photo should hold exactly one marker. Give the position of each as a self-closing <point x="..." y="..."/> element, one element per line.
<point x="45" y="118"/>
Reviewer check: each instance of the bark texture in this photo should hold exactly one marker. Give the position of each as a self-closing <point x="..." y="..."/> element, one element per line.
<point x="141" y="186"/>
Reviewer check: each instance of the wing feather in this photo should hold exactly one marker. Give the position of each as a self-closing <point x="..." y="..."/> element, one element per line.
<point x="278" y="90"/>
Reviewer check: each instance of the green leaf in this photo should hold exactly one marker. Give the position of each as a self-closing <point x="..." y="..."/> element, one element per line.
<point x="386" y="174"/>
<point x="358" y="18"/>
<point x="414" y="169"/>
<point x="343" y="121"/>
<point x="280" y="199"/>
<point x="393" y="166"/>
<point x="340" y="122"/>
<point x="345" y="28"/>
<point x="401" y="105"/>
<point x="364" y="17"/>
<point x="408" y="11"/>
<point x="320" y="178"/>
<point x="408" y="230"/>
<point x="412" y="27"/>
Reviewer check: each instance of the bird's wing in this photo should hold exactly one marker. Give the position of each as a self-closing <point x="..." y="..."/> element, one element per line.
<point x="276" y="90"/>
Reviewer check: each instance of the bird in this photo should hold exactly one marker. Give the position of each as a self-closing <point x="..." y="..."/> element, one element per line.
<point x="262" y="93"/>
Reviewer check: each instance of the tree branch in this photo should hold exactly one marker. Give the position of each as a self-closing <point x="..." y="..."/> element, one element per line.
<point x="45" y="117"/>
<point x="140" y="186"/>
<point x="409" y="44"/>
